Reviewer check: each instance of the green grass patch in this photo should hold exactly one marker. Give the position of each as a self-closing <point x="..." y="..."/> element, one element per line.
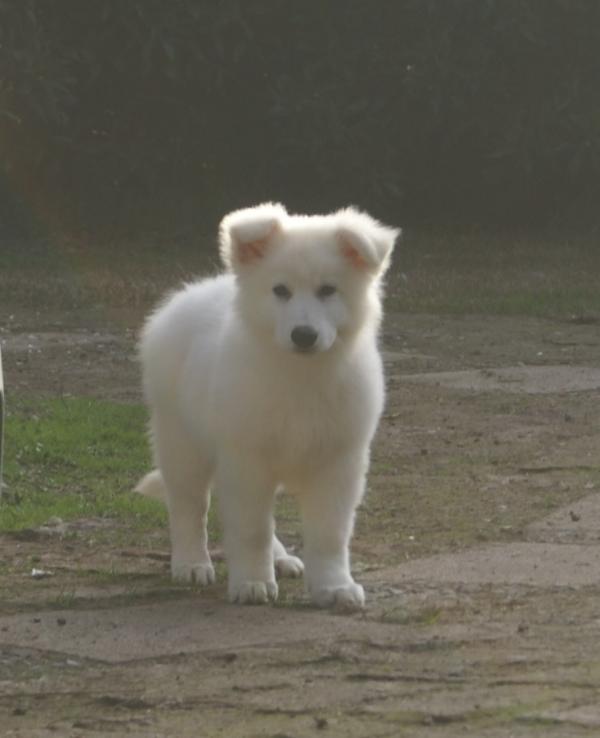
<point x="427" y="616"/>
<point x="63" y="273"/>
<point x="550" y="275"/>
<point x="75" y="458"/>
<point x="461" y="272"/>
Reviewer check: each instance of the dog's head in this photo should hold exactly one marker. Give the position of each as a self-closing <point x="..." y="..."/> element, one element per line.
<point x="310" y="282"/>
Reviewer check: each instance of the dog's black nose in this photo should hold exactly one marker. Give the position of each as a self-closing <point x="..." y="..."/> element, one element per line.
<point x="304" y="337"/>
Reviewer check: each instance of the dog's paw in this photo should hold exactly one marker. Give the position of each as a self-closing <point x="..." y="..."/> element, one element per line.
<point x="347" y="598"/>
<point x="289" y="566"/>
<point x="253" y="593"/>
<point x="202" y="574"/>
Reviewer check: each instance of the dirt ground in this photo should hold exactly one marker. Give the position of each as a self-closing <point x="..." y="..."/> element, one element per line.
<point x="478" y="545"/>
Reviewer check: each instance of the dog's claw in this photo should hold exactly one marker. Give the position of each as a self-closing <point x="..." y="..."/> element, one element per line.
<point x="253" y="593"/>
<point x="347" y="598"/>
<point x="202" y="574"/>
<point x="289" y="566"/>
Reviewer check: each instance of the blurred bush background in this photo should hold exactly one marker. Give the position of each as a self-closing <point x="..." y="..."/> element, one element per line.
<point x="131" y="116"/>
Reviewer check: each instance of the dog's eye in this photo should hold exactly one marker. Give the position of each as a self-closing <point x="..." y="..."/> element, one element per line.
<point x="326" y="290"/>
<point x="282" y="292"/>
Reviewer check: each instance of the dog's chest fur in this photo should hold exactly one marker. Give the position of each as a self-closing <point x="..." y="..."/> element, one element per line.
<point x="303" y="417"/>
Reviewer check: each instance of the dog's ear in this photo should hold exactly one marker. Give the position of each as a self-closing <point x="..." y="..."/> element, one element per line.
<point x="246" y="235"/>
<point x="364" y="242"/>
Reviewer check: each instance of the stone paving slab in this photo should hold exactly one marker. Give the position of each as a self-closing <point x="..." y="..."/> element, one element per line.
<point x="194" y="625"/>
<point x="516" y="379"/>
<point x="202" y="623"/>
<point x="577" y="523"/>
<point x="587" y="716"/>
<point x="534" y="564"/>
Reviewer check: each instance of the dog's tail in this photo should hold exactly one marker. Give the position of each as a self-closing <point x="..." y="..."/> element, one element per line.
<point x="153" y="485"/>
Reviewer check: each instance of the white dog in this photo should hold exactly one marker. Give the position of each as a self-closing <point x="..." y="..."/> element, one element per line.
<point x="269" y="376"/>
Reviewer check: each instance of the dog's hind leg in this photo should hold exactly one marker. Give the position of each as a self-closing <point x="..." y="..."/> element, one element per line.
<point x="286" y="565"/>
<point x="187" y="477"/>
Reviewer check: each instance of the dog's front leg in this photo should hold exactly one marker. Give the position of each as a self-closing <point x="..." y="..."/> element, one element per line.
<point x="186" y="474"/>
<point x="328" y="503"/>
<point x="246" y="498"/>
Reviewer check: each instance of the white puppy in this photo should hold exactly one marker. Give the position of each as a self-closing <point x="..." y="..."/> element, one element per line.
<point x="269" y="376"/>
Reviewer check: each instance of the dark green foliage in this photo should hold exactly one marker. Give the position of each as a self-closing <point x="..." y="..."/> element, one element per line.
<point x="140" y="113"/>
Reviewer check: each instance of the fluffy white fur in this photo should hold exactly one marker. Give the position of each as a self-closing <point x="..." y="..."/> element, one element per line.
<point x="269" y="376"/>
